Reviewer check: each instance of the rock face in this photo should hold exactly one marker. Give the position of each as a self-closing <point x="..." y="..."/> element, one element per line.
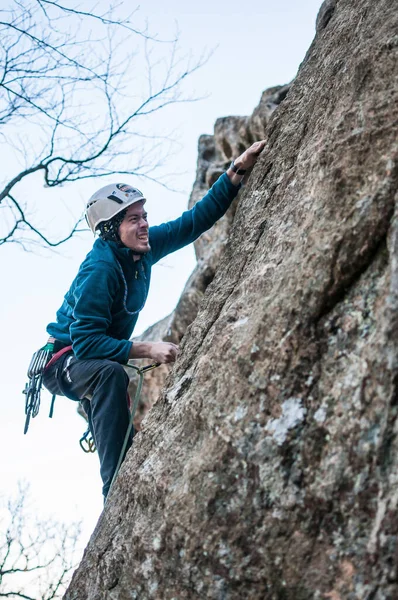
<point x="268" y="467"/>
<point x="231" y="137"/>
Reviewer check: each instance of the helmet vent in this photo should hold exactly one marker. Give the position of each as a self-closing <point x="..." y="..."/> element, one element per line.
<point x="115" y="198"/>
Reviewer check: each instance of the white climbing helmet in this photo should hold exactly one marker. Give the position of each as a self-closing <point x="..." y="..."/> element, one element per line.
<point x="109" y="201"/>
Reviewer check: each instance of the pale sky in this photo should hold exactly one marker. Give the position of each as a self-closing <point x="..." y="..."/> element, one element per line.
<point x="257" y="44"/>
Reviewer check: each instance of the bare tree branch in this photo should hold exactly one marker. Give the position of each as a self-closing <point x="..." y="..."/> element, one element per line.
<point x="36" y="556"/>
<point x="102" y="18"/>
<point x="15" y="595"/>
<point x="84" y="98"/>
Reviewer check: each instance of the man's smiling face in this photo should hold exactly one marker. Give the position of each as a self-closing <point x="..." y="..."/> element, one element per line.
<point x="133" y="230"/>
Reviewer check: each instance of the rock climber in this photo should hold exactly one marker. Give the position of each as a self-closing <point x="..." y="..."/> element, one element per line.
<point x="100" y="310"/>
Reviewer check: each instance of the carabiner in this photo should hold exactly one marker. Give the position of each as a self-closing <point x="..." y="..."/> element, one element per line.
<point x="149" y="367"/>
<point x="88" y="440"/>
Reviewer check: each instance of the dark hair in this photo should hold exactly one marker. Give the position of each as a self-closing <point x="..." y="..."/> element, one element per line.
<point x="109" y="230"/>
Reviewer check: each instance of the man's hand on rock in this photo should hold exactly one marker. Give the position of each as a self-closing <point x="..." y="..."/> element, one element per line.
<point x="249" y="156"/>
<point x="245" y="161"/>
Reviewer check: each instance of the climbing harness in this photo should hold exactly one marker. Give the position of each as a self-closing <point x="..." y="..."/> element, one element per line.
<point x="141" y="372"/>
<point x="32" y="390"/>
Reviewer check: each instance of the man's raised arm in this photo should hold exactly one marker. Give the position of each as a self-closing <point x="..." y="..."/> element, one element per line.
<point x="169" y="237"/>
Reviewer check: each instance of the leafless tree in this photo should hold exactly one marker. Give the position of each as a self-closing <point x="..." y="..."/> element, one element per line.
<point x="36" y="556"/>
<point x="78" y="89"/>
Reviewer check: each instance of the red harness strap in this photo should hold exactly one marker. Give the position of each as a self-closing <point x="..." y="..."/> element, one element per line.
<point x="58" y="355"/>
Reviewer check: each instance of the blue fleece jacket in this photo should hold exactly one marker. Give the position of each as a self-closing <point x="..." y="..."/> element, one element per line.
<point x="101" y="308"/>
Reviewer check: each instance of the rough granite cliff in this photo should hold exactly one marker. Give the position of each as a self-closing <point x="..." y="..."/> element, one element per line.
<point x="232" y="135"/>
<point x="268" y="466"/>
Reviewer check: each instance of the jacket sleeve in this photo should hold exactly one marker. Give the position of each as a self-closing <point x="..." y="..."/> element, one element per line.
<point x="172" y="236"/>
<point x="94" y="293"/>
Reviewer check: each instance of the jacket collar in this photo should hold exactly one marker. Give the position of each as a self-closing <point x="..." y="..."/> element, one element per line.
<point x="120" y="252"/>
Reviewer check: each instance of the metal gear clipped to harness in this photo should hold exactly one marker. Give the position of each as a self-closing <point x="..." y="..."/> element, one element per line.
<point x="35" y="379"/>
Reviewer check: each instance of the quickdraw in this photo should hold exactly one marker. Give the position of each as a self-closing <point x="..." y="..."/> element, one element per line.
<point x="41" y="360"/>
<point x="32" y="390"/>
<point x="87" y="443"/>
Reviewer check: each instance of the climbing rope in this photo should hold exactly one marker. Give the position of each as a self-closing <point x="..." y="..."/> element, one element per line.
<point x="141" y="372"/>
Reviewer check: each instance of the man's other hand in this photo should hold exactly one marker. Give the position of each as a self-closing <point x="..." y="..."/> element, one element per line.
<point x="163" y="352"/>
<point x="160" y="352"/>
